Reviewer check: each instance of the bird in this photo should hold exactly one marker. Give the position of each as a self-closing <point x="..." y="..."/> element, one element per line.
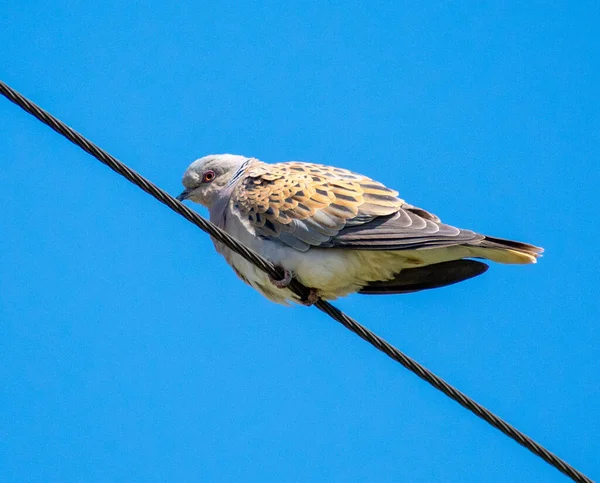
<point x="336" y="231"/>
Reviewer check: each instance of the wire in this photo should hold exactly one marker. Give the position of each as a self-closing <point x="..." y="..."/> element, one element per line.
<point x="295" y="285"/>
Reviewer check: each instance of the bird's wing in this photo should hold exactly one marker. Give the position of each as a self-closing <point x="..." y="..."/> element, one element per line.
<point x="307" y="205"/>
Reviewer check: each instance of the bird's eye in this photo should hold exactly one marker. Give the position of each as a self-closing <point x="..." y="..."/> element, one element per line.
<point x="208" y="176"/>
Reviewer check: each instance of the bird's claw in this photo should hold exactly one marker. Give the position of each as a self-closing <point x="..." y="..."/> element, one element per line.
<point x="311" y="299"/>
<point x="283" y="282"/>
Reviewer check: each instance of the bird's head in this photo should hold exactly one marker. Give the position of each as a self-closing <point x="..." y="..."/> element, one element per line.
<point x="207" y="176"/>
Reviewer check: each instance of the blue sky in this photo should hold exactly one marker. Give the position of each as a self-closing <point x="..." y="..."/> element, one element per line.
<point x="130" y="351"/>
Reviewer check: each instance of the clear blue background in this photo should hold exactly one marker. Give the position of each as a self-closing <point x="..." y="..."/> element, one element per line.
<point x="130" y="351"/>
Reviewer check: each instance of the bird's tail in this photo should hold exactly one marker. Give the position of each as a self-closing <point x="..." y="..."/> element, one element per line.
<point x="422" y="278"/>
<point x="506" y="251"/>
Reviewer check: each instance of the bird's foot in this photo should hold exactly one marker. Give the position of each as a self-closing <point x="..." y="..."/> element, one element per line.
<point x="311" y="299"/>
<point x="283" y="282"/>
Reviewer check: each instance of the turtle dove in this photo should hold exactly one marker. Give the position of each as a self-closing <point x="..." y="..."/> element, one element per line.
<point x="336" y="231"/>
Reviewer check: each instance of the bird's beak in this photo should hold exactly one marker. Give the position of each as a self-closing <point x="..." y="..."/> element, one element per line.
<point x="184" y="195"/>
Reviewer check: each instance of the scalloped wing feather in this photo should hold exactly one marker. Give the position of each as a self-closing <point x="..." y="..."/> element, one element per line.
<point x="305" y="204"/>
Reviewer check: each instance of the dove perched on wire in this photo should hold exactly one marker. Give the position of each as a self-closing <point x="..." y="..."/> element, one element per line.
<point x="336" y="231"/>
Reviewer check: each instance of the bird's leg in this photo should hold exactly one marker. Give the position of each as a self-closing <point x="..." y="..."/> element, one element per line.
<point x="285" y="281"/>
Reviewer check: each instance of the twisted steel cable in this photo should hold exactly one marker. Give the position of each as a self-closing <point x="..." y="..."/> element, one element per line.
<point x="295" y="285"/>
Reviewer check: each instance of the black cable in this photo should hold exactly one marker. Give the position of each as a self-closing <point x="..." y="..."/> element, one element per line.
<point x="295" y="286"/>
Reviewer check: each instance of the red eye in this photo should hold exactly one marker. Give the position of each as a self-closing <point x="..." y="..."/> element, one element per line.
<point x="208" y="176"/>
